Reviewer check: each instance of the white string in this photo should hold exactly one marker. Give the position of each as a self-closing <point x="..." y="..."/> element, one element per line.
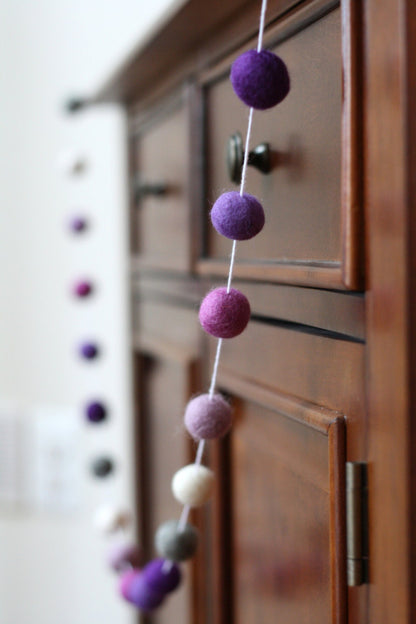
<point x="246" y="152"/>
<point x="200" y="451"/>
<point x="215" y="369"/>
<point x="261" y="27"/>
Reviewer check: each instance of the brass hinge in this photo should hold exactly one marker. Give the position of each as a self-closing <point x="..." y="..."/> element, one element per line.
<point x="357" y="523"/>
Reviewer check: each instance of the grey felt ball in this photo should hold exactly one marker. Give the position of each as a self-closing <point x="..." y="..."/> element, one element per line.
<point x="174" y="544"/>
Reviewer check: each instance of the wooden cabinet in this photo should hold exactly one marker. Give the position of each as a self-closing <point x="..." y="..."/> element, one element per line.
<point x="324" y="373"/>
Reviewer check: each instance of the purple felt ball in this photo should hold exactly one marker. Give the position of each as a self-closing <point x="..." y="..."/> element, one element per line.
<point x="223" y="314"/>
<point x="142" y="595"/>
<point x="88" y="350"/>
<point x="207" y="418"/>
<point x="95" y="412"/>
<point x="82" y="289"/>
<point x="237" y="217"/>
<point x="260" y="79"/>
<point x="124" y="557"/>
<point x="78" y="225"/>
<point x="162" y="577"/>
<point x="126" y="580"/>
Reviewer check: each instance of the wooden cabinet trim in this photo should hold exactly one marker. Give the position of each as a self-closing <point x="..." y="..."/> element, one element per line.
<point x="315" y="416"/>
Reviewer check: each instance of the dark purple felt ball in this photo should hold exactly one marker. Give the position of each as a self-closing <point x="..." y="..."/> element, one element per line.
<point x="162" y="576"/>
<point x="88" y="350"/>
<point x="208" y="418"/>
<point x="95" y="412"/>
<point x="237" y="217"/>
<point x="78" y="225"/>
<point x="142" y="595"/>
<point x="224" y="315"/>
<point x="82" y="289"/>
<point x="260" y="79"/>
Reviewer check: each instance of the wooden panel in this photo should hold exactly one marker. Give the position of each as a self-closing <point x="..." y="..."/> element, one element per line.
<point x="162" y="229"/>
<point x="310" y="197"/>
<point x="301" y="363"/>
<point x="167" y="330"/>
<point x="165" y="387"/>
<point x="390" y="158"/>
<point x="306" y="364"/>
<point x="287" y="506"/>
<point x="338" y="312"/>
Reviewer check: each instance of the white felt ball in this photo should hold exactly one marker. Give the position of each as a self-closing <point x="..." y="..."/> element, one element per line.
<point x="109" y="518"/>
<point x="71" y="162"/>
<point x="192" y="485"/>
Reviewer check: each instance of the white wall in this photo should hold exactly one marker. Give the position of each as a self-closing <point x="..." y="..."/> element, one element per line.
<point x="51" y="562"/>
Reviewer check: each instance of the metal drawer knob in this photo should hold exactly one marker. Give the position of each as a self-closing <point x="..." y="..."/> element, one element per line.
<point x="258" y="158"/>
<point x="142" y="189"/>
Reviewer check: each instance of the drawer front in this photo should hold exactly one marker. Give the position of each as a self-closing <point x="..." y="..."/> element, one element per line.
<point x="308" y="196"/>
<point x="161" y="219"/>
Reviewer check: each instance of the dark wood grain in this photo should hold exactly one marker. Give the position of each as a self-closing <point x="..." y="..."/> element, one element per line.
<point x="390" y="139"/>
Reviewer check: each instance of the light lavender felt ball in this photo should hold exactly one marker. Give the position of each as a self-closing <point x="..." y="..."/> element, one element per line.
<point x="237" y="217"/>
<point x="224" y="315"/>
<point x="260" y="79"/>
<point x="124" y="557"/>
<point x="208" y="418"/>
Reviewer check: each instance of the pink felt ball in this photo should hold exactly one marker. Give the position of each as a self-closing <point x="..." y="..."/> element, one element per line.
<point x="237" y="217"/>
<point x="126" y="580"/>
<point x="224" y="315"/>
<point x="208" y="418"/>
<point x="260" y="79"/>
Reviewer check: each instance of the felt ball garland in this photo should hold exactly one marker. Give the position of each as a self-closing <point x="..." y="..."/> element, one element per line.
<point x="261" y="80"/>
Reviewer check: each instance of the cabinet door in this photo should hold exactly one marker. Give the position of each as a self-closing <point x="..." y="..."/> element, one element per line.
<point x="168" y="371"/>
<point x="282" y="555"/>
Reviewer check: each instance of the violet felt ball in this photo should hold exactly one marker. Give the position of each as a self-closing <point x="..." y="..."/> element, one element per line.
<point x="82" y="289"/>
<point x="142" y="595"/>
<point x="124" y="557"/>
<point x="224" y="315"/>
<point x="95" y="412"/>
<point x="88" y="350"/>
<point x="78" y="225"/>
<point x="126" y="580"/>
<point x="237" y="217"/>
<point x="160" y="577"/>
<point x="260" y="79"/>
<point x="207" y="418"/>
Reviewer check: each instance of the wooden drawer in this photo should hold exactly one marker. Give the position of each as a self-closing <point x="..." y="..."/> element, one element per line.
<point x="310" y="198"/>
<point x="320" y="367"/>
<point x="161" y="223"/>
